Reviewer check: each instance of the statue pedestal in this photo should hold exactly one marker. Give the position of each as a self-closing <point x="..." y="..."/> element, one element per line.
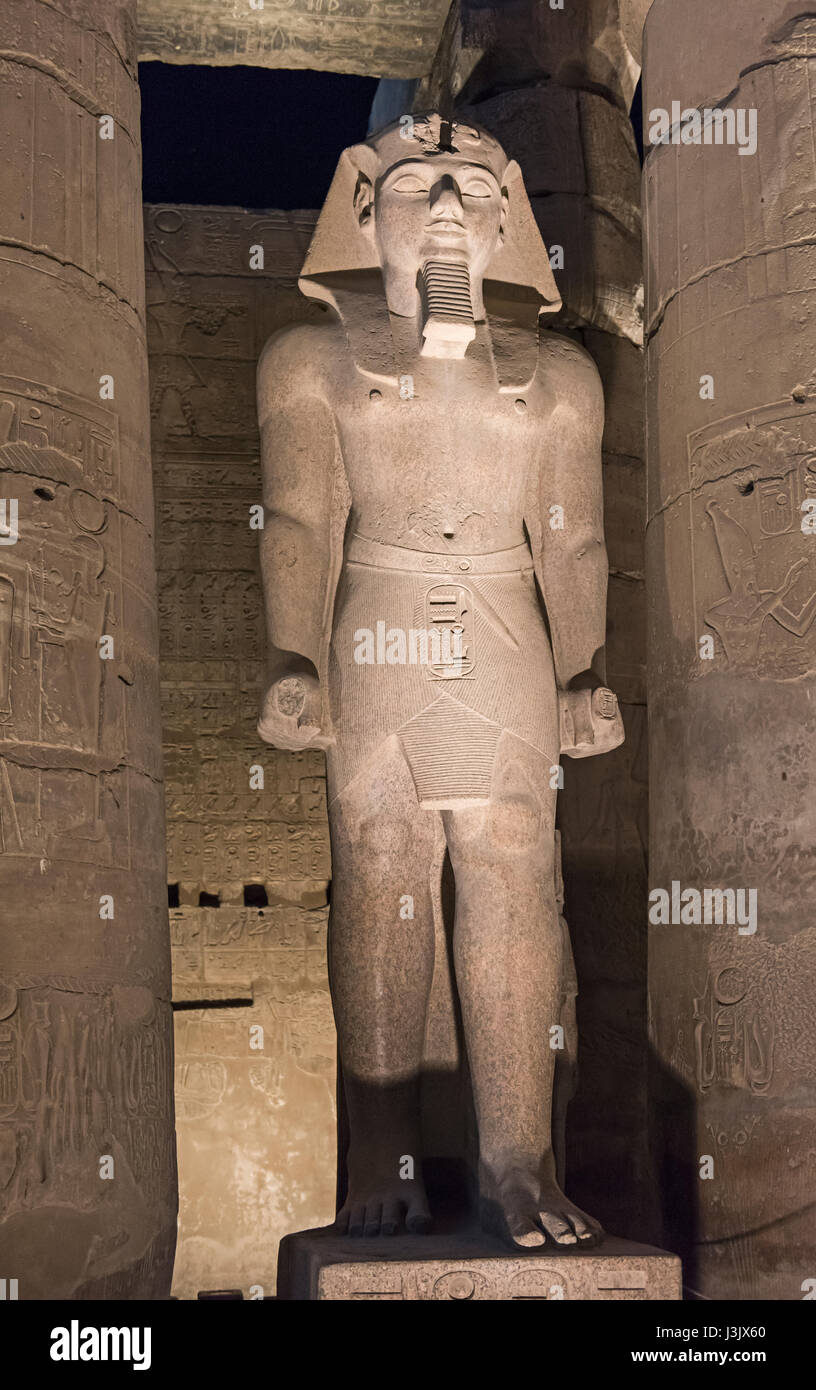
<point x="471" y="1265"/>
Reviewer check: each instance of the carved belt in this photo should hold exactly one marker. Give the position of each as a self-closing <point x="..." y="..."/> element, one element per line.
<point x="361" y="551"/>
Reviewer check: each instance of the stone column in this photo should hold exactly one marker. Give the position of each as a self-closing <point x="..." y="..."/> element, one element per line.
<point x="731" y="561"/>
<point x="555" y="87"/>
<point x="87" y="1155"/>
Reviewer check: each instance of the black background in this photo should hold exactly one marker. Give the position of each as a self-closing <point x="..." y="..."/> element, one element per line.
<point x="247" y="136"/>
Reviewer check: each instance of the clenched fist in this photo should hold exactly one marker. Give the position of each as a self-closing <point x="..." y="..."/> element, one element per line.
<point x="290" y="717"/>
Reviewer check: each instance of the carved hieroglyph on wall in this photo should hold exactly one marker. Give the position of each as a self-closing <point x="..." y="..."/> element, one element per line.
<point x="207" y="312"/>
<point x="87" y="1149"/>
<point x="749" y="1027"/>
<point x="256" y="1127"/>
<point x="85" y="1059"/>
<point x="394" y="40"/>
<point x="754" y="567"/>
<point x="606" y="1278"/>
<point x="744" y="1043"/>
<point x="62" y="717"/>
<point x="62" y="1112"/>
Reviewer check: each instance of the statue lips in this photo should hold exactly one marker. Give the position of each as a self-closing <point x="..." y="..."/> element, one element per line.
<point x="445" y="227"/>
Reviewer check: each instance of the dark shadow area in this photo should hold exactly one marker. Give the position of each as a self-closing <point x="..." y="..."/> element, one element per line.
<point x="603" y="818"/>
<point x="675" y="1167"/>
<point x="636" y="117"/>
<point x="247" y="136"/>
<point x="449" y="1133"/>
<point x="238" y="1002"/>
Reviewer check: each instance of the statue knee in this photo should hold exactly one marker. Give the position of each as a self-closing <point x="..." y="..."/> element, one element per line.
<point x="515" y="828"/>
<point x="514" y="825"/>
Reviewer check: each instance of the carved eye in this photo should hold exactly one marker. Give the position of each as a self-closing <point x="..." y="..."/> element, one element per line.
<point x="409" y="183"/>
<point x="477" y="188"/>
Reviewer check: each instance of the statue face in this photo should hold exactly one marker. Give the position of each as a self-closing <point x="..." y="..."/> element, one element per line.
<point x="444" y="208"/>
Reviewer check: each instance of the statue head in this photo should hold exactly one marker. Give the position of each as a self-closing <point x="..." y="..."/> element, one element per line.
<point x="438" y="196"/>
<point x="439" y="208"/>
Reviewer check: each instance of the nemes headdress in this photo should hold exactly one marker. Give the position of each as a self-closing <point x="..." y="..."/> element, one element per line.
<point x="339" y="245"/>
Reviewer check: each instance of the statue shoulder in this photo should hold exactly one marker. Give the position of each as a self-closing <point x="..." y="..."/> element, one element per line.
<point x="300" y="355"/>
<point x="567" y="368"/>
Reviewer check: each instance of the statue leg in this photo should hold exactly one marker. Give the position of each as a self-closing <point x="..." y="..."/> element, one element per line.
<point x="508" y="952"/>
<point x="565" y="1082"/>
<point x="381" y="956"/>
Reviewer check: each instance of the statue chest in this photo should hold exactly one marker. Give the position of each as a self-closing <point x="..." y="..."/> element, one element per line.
<point x="412" y="437"/>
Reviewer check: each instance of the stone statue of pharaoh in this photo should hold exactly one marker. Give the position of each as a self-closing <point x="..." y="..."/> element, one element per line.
<point x="435" y="583"/>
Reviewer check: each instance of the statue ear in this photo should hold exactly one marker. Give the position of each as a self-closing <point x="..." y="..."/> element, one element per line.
<point x="343" y="238"/>
<point x="364" y="202"/>
<point x="505" y="205"/>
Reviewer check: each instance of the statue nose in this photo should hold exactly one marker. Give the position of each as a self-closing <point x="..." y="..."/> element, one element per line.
<point x="445" y="199"/>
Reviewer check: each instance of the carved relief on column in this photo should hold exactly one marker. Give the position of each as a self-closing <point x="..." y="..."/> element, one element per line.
<point x="87" y="1155"/>
<point x="732" y="565"/>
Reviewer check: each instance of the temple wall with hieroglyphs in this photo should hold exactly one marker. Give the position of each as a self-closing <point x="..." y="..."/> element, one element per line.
<point x="397" y="39"/>
<point x="256" y="1117"/>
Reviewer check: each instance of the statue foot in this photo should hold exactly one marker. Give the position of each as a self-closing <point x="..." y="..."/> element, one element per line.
<point x="527" y="1211"/>
<point x="384" y="1208"/>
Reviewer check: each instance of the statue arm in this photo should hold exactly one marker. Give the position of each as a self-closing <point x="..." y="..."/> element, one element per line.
<point x="573" y="568"/>
<point x="299" y="456"/>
